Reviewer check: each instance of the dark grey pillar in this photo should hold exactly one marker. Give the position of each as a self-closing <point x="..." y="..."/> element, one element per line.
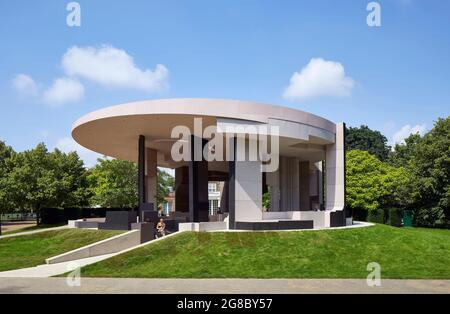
<point x="347" y="212"/>
<point x="198" y="185"/>
<point x="232" y="185"/>
<point x="182" y="189"/>
<point x="141" y="174"/>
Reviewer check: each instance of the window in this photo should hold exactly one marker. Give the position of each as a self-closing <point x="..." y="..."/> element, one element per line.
<point x="167" y="209"/>
<point x="212" y="187"/>
<point x="213" y="207"/>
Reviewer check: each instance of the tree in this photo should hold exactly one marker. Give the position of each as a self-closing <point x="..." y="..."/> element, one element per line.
<point x="5" y="152"/>
<point x="71" y="176"/>
<point x="373" y="184"/>
<point x="113" y="183"/>
<point x="365" y="139"/>
<point x="37" y="178"/>
<point x="29" y="182"/>
<point x="166" y="184"/>
<point x="404" y="153"/>
<point x="5" y="204"/>
<point x="430" y="166"/>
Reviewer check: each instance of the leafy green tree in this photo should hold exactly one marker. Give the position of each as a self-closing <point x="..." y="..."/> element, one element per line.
<point x="166" y="184"/>
<point x="5" y="152"/>
<point x="404" y="153"/>
<point x="365" y="139"/>
<point x="5" y="202"/>
<point x="38" y="178"/>
<point x="373" y="184"/>
<point x="430" y="166"/>
<point x="71" y="176"/>
<point x="113" y="183"/>
<point x="29" y="182"/>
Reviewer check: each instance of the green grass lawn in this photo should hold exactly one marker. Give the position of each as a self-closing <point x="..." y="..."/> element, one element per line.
<point x="402" y="253"/>
<point x="32" y="250"/>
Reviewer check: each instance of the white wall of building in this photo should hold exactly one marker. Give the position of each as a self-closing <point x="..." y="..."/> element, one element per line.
<point x="248" y="191"/>
<point x="335" y="171"/>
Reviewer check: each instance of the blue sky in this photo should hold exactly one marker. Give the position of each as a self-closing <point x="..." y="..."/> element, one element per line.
<point x="396" y="76"/>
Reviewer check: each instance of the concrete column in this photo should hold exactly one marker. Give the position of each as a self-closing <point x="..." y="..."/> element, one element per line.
<point x="231" y="186"/>
<point x="182" y="189"/>
<point x="198" y="186"/>
<point x="320" y="183"/>
<point x="141" y="172"/>
<point x="335" y="171"/>
<point x="248" y="191"/>
<point x="224" y="197"/>
<point x="273" y="180"/>
<point x="151" y="176"/>
<point x="289" y="184"/>
<point x="304" y="191"/>
<point x="316" y="185"/>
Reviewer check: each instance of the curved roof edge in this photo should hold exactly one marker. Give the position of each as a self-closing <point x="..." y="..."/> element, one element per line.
<point x="225" y="108"/>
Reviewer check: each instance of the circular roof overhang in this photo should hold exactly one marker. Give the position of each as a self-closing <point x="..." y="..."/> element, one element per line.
<point x="114" y="131"/>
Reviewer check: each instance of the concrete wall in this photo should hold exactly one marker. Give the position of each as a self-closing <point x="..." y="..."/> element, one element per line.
<point x="321" y="218"/>
<point x="248" y="191"/>
<point x="107" y="246"/>
<point x="203" y="226"/>
<point x="335" y="171"/>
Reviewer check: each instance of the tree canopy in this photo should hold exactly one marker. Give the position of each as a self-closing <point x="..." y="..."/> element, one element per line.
<point x="113" y="183"/>
<point x="373" y="184"/>
<point x="365" y="139"/>
<point x="37" y="178"/>
<point x="430" y="166"/>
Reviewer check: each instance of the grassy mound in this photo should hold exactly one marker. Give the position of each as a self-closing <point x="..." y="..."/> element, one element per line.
<point x="402" y="253"/>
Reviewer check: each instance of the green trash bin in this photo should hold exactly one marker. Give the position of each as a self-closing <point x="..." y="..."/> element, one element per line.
<point x="407" y="218"/>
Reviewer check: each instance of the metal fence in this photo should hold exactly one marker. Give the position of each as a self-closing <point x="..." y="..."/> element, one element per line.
<point x="27" y="216"/>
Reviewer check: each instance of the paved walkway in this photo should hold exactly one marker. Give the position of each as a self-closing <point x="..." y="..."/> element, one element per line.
<point x="43" y="271"/>
<point x="8" y="226"/>
<point x="220" y="286"/>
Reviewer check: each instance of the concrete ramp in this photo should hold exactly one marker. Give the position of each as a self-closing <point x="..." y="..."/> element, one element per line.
<point x="108" y="246"/>
<point x="46" y="270"/>
<point x="70" y="260"/>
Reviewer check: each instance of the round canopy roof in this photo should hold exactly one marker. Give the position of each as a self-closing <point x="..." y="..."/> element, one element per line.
<point x="114" y="131"/>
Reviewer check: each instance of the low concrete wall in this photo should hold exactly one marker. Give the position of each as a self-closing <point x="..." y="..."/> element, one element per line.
<point x="321" y="218"/>
<point x="107" y="246"/>
<point x="72" y="223"/>
<point x="202" y="226"/>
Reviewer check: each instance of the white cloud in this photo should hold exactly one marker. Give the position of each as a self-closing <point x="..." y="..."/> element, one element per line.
<point x="67" y="145"/>
<point x="112" y="67"/>
<point x="319" y="78"/>
<point x="25" y="85"/>
<point x="64" y="90"/>
<point x="406" y="131"/>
